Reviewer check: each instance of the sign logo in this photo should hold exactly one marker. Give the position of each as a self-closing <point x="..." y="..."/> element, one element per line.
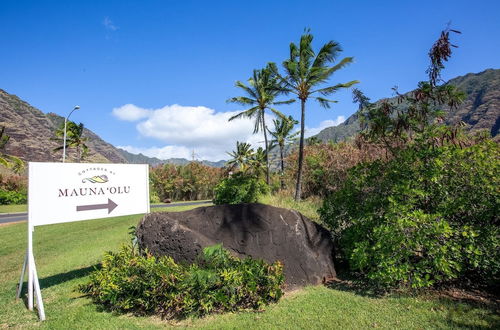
<point x="96" y="179"/>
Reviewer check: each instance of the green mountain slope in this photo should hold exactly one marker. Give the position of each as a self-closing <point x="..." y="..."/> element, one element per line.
<point x="480" y="110"/>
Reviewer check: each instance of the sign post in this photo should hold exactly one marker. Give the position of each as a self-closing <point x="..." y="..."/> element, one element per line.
<point x="67" y="192"/>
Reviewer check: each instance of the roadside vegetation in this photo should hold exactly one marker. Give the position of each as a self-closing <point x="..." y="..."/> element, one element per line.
<point x="13" y="208"/>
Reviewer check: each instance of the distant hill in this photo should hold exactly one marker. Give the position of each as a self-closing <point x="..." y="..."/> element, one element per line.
<point x="480" y="110"/>
<point x="142" y="159"/>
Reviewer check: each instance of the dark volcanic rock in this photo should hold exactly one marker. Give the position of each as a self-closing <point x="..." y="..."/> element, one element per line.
<point x="256" y="230"/>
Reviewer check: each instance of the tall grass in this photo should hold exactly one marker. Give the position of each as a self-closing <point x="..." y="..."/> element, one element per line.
<point x="308" y="207"/>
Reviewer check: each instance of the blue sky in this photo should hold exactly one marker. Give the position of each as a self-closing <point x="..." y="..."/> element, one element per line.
<point x="174" y="63"/>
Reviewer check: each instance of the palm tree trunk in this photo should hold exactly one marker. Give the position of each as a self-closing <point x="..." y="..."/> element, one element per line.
<point x="298" y="188"/>
<point x="282" y="168"/>
<point x="267" y="156"/>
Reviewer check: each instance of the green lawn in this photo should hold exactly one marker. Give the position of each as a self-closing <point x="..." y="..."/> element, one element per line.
<point x="13" y="208"/>
<point x="66" y="253"/>
<point x="24" y="207"/>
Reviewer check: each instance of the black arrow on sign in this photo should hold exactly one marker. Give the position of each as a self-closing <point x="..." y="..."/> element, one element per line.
<point x="110" y="206"/>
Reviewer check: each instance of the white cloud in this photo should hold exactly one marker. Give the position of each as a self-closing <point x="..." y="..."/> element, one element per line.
<point x="185" y="129"/>
<point x="324" y="124"/>
<point x="130" y="112"/>
<point x="109" y="25"/>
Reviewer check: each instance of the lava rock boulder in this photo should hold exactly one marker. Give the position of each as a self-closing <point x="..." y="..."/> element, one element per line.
<point x="257" y="230"/>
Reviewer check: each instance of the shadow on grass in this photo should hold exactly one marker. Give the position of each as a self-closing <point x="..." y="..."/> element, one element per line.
<point x="465" y="314"/>
<point x="49" y="281"/>
<point x="349" y="283"/>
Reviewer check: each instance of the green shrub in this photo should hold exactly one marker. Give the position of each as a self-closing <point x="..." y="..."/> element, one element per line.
<point x="143" y="284"/>
<point x="12" y="197"/>
<point x="427" y="216"/>
<point x="239" y="188"/>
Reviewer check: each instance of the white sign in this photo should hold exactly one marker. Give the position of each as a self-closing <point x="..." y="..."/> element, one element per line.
<point x="64" y="192"/>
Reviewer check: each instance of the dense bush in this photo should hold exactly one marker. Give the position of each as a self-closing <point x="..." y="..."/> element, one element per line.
<point x="427" y="216"/>
<point x="239" y="188"/>
<point x="131" y="282"/>
<point x="12" y="197"/>
<point x="13" y="189"/>
<point x="326" y="165"/>
<point x="183" y="182"/>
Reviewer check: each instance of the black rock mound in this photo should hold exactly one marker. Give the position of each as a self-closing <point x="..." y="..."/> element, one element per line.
<point x="261" y="231"/>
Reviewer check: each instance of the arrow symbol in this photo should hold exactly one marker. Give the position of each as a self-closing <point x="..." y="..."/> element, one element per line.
<point x="110" y="205"/>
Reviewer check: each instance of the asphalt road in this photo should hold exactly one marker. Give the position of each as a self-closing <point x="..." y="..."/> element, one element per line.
<point x="18" y="217"/>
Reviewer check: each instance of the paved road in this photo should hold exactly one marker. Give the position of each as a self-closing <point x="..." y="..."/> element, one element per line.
<point x="17" y="217"/>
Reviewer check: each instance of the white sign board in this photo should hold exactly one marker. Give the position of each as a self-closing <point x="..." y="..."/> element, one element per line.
<point x="64" y="192"/>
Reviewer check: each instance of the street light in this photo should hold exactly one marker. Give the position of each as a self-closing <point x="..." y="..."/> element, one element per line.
<point x="65" y="123"/>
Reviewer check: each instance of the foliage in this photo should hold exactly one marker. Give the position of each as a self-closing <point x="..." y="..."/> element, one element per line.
<point x="429" y="213"/>
<point x="281" y="137"/>
<point x="305" y="71"/>
<point x="193" y="181"/>
<point x="261" y="92"/>
<point x="12" y="197"/>
<point x="216" y="283"/>
<point x="427" y="216"/>
<point x="239" y="188"/>
<point x="258" y="164"/>
<point x="74" y="139"/>
<point x="313" y="141"/>
<point x="12" y="162"/>
<point x="248" y="161"/>
<point x="13" y="189"/>
<point x="395" y="124"/>
<point x="241" y="157"/>
<point x="326" y="165"/>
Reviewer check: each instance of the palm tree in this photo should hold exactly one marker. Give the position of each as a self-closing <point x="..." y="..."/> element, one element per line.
<point x="13" y="162"/>
<point x="305" y="71"/>
<point x="261" y="91"/>
<point x="258" y="162"/>
<point x="282" y="135"/>
<point x="74" y="139"/>
<point x="242" y="156"/>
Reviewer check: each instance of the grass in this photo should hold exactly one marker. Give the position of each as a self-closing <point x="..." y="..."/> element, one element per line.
<point x="284" y="199"/>
<point x="13" y="208"/>
<point x="66" y="253"/>
<point x="24" y="207"/>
